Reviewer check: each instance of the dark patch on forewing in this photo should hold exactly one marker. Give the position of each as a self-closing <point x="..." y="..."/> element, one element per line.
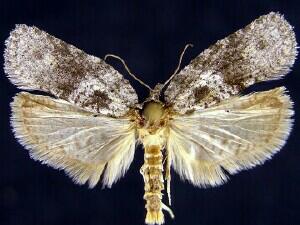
<point x="200" y="93"/>
<point x="98" y="100"/>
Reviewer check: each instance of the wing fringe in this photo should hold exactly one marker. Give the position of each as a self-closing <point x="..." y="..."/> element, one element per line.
<point x="80" y="171"/>
<point x="204" y="168"/>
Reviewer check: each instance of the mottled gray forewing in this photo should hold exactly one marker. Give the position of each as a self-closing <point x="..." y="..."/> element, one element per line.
<point x="263" y="50"/>
<point x="35" y="60"/>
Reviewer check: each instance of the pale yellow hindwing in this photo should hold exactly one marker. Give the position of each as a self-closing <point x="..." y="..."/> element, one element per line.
<point x="236" y="134"/>
<point x="67" y="137"/>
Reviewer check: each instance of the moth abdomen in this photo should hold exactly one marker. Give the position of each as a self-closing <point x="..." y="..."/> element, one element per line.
<point x="153" y="178"/>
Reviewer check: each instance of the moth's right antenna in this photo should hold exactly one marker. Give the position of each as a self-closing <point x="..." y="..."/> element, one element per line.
<point x="128" y="70"/>
<point x="178" y="67"/>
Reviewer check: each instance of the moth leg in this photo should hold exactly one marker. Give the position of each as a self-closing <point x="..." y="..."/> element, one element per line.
<point x="168" y="175"/>
<point x="166" y="208"/>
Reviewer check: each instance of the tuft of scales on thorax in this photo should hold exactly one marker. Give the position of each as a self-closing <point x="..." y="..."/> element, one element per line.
<point x="154" y="119"/>
<point x="153" y="125"/>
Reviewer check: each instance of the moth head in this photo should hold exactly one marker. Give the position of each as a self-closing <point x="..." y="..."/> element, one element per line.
<point x="155" y="93"/>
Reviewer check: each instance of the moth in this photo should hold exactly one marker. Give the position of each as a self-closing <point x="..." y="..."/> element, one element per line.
<point x="197" y="122"/>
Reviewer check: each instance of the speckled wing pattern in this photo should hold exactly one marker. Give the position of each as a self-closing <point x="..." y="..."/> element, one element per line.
<point x="214" y="130"/>
<point x="35" y="60"/>
<point x="263" y="50"/>
<point x="67" y="137"/>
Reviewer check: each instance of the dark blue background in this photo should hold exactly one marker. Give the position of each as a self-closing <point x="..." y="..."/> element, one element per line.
<point x="149" y="35"/>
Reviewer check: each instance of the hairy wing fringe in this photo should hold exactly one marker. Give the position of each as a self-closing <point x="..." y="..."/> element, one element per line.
<point x="207" y="143"/>
<point x="27" y="108"/>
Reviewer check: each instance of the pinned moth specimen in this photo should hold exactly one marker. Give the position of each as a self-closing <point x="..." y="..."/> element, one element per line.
<point x="200" y="125"/>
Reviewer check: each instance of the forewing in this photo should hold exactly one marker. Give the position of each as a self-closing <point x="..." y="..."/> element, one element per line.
<point x="35" y="60"/>
<point x="67" y="137"/>
<point x="234" y="135"/>
<point x="263" y="50"/>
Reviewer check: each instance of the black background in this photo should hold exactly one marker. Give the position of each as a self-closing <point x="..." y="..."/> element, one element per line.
<point x="149" y="35"/>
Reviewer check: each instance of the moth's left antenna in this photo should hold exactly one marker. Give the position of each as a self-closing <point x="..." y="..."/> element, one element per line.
<point x="128" y="70"/>
<point x="178" y="66"/>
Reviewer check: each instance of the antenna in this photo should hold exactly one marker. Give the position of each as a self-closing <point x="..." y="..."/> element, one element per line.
<point x="128" y="70"/>
<point x="179" y="63"/>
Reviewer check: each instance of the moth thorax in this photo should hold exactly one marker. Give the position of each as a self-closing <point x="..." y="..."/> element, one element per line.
<point x="153" y="112"/>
